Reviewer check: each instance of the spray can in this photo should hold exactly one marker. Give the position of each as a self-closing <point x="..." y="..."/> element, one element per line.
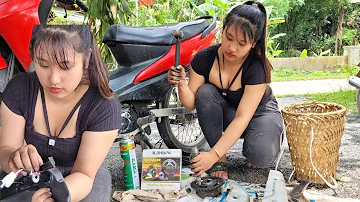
<point x="130" y="170"/>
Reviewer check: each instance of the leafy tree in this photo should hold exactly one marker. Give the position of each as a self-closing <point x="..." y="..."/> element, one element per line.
<point x="317" y="25"/>
<point x="104" y="13"/>
<point x="277" y="8"/>
<point x="352" y="20"/>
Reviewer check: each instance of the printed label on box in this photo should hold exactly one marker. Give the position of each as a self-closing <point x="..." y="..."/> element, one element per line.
<point x="161" y="169"/>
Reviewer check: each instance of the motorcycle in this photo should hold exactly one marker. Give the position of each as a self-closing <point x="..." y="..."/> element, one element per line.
<point x="143" y="56"/>
<point x="355" y="81"/>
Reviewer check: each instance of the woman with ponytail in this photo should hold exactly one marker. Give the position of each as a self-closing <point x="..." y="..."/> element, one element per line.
<point x="229" y="88"/>
<point x="64" y="109"/>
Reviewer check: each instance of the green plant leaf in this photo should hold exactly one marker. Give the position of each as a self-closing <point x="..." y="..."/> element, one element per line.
<point x="126" y="7"/>
<point x="277" y="36"/>
<point x="277" y="52"/>
<point x="100" y="5"/>
<point x="303" y="53"/>
<point x="325" y="52"/>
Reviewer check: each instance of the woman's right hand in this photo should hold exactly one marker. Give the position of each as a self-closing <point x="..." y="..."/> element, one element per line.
<point x="177" y="75"/>
<point x="25" y="157"/>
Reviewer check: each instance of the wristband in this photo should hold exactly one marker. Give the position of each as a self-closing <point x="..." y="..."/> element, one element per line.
<point x="217" y="153"/>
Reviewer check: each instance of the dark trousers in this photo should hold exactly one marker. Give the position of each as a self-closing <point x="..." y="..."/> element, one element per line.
<point x="261" y="137"/>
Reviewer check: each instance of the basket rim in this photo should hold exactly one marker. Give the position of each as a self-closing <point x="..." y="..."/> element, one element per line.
<point x="340" y="111"/>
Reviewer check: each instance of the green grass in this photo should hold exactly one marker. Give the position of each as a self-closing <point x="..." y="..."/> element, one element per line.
<point x="346" y="98"/>
<point x="286" y="74"/>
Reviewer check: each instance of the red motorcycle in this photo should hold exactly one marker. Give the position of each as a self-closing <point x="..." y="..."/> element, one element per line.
<point x="143" y="55"/>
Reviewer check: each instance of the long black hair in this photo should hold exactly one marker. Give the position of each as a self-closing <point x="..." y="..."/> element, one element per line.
<point x="251" y="17"/>
<point x="55" y="39"/>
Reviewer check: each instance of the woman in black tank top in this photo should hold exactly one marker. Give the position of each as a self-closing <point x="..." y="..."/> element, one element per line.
<point x="65" y="109"/>
<point x="229" y="88"/>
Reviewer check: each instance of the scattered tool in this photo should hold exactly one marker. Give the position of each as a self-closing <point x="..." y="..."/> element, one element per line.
<point x="296" y="195"/>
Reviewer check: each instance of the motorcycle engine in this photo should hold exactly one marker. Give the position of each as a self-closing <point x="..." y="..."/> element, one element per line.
<point x="128" y="119"/>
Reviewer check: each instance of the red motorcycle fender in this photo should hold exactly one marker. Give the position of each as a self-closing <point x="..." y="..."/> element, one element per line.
<point x="17" y="19"/>
<point x="188" y="50"/>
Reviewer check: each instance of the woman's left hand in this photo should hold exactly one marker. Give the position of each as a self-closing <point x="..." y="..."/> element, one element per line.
<point x="42" y="195"/>
<point x="203" y="162"/>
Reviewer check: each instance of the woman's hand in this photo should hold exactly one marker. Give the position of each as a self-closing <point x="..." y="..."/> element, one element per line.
<point x="203" y="162"/>
<point x="42" y="195"/>
<point x="177" y="75"/>
<point x="25" y="157"/>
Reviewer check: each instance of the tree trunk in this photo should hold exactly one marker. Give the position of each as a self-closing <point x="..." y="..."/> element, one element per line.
<point x="339" y="27"/>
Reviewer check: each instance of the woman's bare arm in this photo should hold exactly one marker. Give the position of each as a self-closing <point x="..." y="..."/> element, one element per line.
<point x="92" y="152"/>
<point x="11" y="135"/>
<point x="188" y="91"/>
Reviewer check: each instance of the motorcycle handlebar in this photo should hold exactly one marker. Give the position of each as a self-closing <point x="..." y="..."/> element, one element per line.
<point x="82" y="5"/>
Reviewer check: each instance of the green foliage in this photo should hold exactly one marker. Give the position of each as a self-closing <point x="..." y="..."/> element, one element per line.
<point x="352" y="20"/>
<point x="272" y="44"/>
<point x="277" y="8"/>
<point x="218" y="8"/>
<point x="59" y="20"/>
<point x="104" y="13"/>
<point x="348" y="36"/>
<point x="273" y="51"/>
<point x="323" y="53"/>
<point x="165" y="13"/>
<point x="54" y="19"/>
<point x="318" y="46"/>
<point x="311" y="25"/>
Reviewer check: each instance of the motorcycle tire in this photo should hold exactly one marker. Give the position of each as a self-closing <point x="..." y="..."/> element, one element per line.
<point x="170" y="127"/>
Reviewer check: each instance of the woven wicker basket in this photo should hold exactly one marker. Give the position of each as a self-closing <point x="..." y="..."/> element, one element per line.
<point x="328" y="122"/>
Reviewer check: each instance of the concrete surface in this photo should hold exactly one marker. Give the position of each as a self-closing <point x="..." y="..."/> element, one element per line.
<point x="311" y="63"/>
<point x="310" y="86"/>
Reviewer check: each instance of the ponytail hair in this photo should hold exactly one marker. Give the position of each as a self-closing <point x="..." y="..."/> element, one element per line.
<point x="56" y="39"/>
<point x="251" y="17"/>
<point x="97" y="71"/>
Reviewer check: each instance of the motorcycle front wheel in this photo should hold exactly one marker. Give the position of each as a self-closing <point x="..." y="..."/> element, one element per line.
<point x="179" y="131"/>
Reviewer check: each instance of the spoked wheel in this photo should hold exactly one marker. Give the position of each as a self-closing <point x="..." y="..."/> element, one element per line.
<point x="179" y="131"/>
<point x="7" y="74"/>
<point x="358" y="99"/>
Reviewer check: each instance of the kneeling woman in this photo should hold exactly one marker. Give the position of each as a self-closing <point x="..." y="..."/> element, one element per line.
<point x="64" y="109"/>
<point x="229" y="88"/>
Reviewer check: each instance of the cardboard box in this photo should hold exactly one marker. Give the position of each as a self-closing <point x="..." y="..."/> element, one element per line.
<point x="161" y="169"/>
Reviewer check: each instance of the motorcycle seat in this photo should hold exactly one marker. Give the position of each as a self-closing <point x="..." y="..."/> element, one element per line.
<point x="160" y="35"/>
